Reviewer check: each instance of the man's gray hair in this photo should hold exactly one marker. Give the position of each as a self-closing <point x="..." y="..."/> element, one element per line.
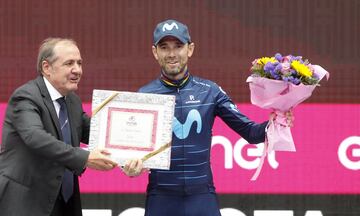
<point x="46" y="51"/>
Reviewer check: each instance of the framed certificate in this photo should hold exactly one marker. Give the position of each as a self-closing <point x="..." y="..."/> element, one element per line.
<point x="133" y="125"/>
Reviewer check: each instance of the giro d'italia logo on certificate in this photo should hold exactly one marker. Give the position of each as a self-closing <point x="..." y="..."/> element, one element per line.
<point x="133" y="125"/>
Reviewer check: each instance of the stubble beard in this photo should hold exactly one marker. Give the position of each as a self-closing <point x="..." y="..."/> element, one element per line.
<point x="173" y="73"/>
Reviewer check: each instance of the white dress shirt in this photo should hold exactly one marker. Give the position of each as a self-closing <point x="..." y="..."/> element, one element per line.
<point x="54" y="94"/>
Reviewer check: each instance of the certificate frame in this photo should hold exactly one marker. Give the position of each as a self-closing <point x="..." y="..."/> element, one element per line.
<point x="133" y="125"/>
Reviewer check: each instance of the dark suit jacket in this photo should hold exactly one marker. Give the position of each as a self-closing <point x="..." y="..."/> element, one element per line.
<point x="33" y="157"/>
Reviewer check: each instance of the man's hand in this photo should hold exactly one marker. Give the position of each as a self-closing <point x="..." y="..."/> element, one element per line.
<point x="133" y="167"/>
<point x="98" y="159"/>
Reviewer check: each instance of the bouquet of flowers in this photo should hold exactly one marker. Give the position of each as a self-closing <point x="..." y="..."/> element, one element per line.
<point x="280" y="83"/>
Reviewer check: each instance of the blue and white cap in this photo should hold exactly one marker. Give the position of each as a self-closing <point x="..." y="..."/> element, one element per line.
<point x="171" y="28"/>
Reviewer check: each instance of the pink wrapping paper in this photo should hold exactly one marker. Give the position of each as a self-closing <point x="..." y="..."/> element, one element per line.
<point x="280" y="96"/>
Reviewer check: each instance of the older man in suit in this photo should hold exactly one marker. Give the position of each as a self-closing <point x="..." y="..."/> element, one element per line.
<point x="40" y="157"/>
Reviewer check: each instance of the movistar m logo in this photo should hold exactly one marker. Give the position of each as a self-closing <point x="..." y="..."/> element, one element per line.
<point x="170" y="27"/>
<point x="182" y="131"/>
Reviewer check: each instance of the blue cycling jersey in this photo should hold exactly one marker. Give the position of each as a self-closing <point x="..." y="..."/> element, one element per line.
<point x="198" y="102"/>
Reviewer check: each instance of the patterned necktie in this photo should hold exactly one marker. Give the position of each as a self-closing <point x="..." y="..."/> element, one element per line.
<point x="67" y="187"/>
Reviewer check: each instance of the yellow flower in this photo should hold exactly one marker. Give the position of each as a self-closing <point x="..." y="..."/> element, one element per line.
<point x="264" y="60"/>
<point x="301" y="68"/>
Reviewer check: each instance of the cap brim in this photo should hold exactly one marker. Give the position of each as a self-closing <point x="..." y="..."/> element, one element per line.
<point x="182" y="40"/>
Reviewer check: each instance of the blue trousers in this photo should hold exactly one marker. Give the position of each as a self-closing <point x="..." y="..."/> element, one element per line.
<point x="182" y="205"/>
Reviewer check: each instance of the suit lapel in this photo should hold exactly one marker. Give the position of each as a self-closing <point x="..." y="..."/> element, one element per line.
<point x="49" y="104"/>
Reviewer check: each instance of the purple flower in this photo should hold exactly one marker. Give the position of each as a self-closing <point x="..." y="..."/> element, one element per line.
<point x="268" y="67"/>
<point x="294" y="80"/>
<point x="296" y="58"/>
<point x="278" y="57"/>
<point x="275" y="75"/>
<point x="278" y="67"/>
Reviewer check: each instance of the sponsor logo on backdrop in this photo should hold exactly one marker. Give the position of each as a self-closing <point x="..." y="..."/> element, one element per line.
<point x="350" y="160"/>
<point x="234" y="153"/>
